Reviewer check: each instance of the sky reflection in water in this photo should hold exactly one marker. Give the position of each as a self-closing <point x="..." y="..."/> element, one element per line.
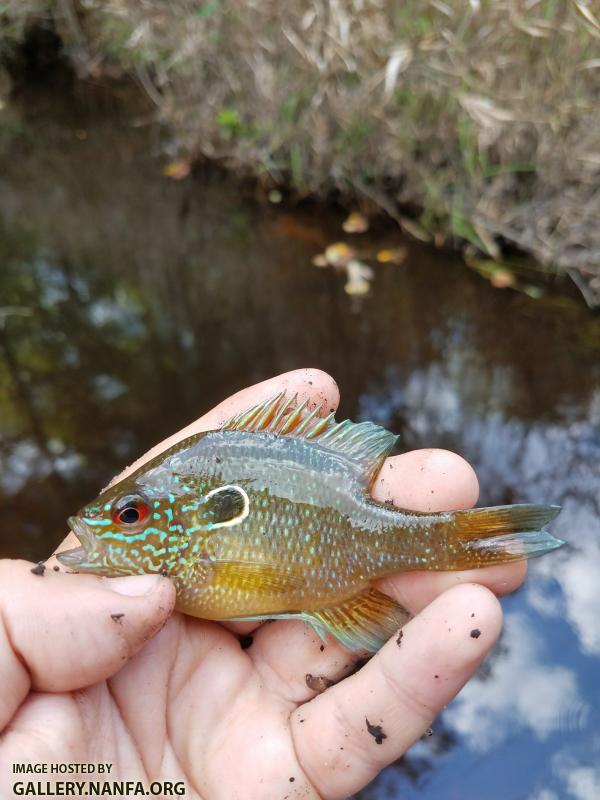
<point x="148" y="301"/>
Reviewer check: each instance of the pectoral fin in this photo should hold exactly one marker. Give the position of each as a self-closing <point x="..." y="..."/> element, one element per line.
<point x="365" y="622"/>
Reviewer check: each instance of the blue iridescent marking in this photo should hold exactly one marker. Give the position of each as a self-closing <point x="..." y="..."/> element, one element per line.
<point x="195" y="528"/>
<point x="193" y="506"/>
<point x="134" y="537"/>
<point x="150" y="547"/>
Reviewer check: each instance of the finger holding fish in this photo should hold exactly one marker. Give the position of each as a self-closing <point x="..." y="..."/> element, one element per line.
<point x="437" y="480"/>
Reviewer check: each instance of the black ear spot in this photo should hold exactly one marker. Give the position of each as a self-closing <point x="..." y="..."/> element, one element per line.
<point x="227" y="505"/>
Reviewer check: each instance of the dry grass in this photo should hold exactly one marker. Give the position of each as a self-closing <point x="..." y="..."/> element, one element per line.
<point x="483" y="114"/>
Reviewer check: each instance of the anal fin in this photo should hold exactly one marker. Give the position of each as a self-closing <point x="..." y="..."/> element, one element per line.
<point x="365" y="622"/>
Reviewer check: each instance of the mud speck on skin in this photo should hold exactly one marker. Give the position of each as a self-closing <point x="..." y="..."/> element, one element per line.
<point x="475" y="633"/>
<point x="376" y="732"/>
<point x="428" y="733"/>
<point x="39" y="568"/>
<point x="56" y="568"/>
<point x="292" y="779"/>
<point x="245" y="641"/>
<point x="318" y="683"/>
<point x="436" y="677"/>
<point x="322" y="647"/>
<point x="117" y="617"/>
<point x="472" y="615"/>
<point x="399" y="639"/>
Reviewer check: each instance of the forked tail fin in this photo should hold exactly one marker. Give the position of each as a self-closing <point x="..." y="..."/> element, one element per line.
<point x="484" y="536"/>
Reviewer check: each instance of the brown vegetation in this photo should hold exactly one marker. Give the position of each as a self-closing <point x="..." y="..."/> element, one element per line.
<point x="482" y="118"/>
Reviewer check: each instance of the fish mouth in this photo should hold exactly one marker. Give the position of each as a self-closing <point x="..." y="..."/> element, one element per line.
<point x="84" y="557"/>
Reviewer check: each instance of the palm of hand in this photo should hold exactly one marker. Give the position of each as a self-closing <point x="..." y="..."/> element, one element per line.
<point x="192" y="706"/>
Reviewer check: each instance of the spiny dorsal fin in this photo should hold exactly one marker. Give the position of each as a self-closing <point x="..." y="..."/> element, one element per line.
<point x="362" y="442"/>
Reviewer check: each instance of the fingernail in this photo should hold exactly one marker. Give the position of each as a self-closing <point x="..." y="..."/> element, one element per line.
<point x="134" y="585"/>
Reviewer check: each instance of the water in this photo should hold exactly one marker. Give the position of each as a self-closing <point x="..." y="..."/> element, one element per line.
<point x="132" y="303"/>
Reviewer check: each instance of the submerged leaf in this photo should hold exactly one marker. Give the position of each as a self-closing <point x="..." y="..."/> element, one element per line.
<point x="358" y="286"/>
<point x="178" y="170"/>
<point x="502" y="279"/>
<point x="394" y="256"/>
<point x="320" y="260"/>
<point x="339" y="254"/>
<point x="359" y="275"/>
<point x="355" y="223"/>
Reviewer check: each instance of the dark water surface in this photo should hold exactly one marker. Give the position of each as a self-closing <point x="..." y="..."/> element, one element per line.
<point x="131" y="303"/>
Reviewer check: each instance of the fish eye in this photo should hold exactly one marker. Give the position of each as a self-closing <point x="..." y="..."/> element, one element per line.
<point x="130" y="509"/>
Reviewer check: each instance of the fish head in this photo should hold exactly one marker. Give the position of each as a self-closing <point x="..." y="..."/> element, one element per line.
<point x="129" y="529"/>
<point x="147" y="521"/>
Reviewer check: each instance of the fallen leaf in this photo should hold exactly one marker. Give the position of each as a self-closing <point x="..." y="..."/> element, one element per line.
<point x="502" y="279"/>
<point x="359" y="275"/>
<point x="394" y="256"/>
<point x="355" y="223"/>
<point x="360" y="286"/>
<point x="178" y="170"/>
<point x="320" y="260"/>
<point x="339" y="254"/>
<point x="356" y="270"/>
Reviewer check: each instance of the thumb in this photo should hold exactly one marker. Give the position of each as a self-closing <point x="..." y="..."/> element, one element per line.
<point x="61" y="632"/>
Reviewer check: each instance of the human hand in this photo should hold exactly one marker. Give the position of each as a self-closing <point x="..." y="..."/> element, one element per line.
<point x="100" y="670"/>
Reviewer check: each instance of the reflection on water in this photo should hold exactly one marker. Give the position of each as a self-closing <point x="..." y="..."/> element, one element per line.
<point x="527" y="692"/>
<point x="131" y="303"/>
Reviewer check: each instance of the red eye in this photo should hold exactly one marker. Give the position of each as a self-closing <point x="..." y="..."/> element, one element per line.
<point x="130" y="509"/>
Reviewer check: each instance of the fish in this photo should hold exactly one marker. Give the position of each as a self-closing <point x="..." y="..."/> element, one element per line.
<point x="271" y="517"/>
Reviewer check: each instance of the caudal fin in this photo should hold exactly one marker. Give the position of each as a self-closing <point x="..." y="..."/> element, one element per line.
<point x="484" y="536"/>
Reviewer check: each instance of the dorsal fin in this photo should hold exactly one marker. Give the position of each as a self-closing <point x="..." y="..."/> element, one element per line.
<point x="364" y="443"/>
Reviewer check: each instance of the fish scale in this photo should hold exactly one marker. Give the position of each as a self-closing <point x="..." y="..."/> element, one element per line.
<point x="271" y="517"/>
